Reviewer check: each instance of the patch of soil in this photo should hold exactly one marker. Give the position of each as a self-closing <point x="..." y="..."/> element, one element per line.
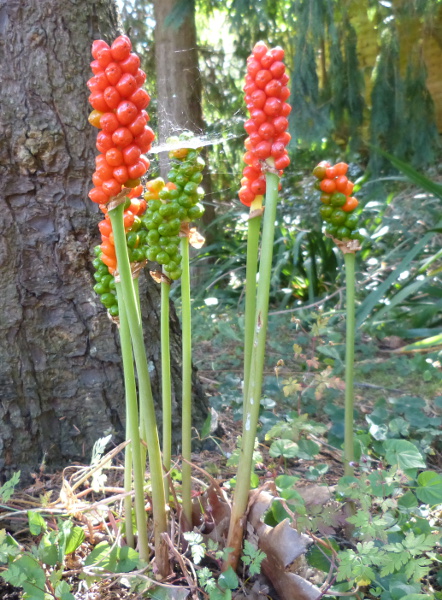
<point x="8" y="591"/>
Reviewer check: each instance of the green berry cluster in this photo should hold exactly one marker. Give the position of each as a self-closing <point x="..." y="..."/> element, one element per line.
<point x="105" y="284"/>
<point x="162" y="223"/>
<point x="171" y="204"/>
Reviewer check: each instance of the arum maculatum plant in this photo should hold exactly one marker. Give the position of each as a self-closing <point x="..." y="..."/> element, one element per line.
<point x="266" y="157"/>
<point x="119" y="101"/>
<point x="338" y="212"/>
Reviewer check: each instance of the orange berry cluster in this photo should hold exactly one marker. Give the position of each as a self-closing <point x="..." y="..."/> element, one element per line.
<point x="338" y="204"/>
<point x="266" y="94"/>
<point x="105" y="261"/>
<point x="118" y="101"/>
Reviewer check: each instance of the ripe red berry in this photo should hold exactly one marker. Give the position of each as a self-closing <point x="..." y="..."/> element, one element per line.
<point x="109" y="122"/>
<point x="277" y="69"/>
<point x="126" y="112"/>
<point x="126" y="85"/>
<point x="136" y="170"/>
<point x="97" y="195"/>
<point x="258" y="186"/>
<point x="267" y="60"/>
<point x="280" y="124"/>
<point x="113" y="73"/>
<point x="97" y="101"/>
<point x="258" y="116"/>
<point x="98" y="45"/>
<point x="114" y="157"/>
<point x="145" y="139"/>
<point x="246" y="196"/>
<point x="140" y="77"/>
<point x="266" y="131"/>
<point x="120" y="174"/>
<point x="121" y="47"/>
<point x="104" y="142"/>
<point x="273" y="88"/>
<point x="282" y="162"/>
<point x="131" y="154"/>
<point x="131" y="64"/>
<point x="137" y="126"/>
<point x="253" y="66"/>
<point x="258" y="98"/>
<point x="112" y="97"/>
<point x="111" y="187"/>
<point x="262" y="78"/>
<point x="259" y="50"/>
<point x="122" y="137"/>
<point x="140" y="98"/>
<point x="278" y="149"/>
<point x="262" y="150"/>
<point x="272" y="107"/>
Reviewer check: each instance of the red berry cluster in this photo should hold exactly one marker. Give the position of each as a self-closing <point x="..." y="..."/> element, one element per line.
<point x="119" y="102"/>
<point x="266" y="94"/>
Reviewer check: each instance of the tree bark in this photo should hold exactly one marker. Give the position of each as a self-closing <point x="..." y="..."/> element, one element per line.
<point x="179" y="84"/>
<point x="60" y="369"/>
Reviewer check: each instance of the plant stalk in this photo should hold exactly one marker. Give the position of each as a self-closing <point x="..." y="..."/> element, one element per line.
<point x="147" y="408"/>
<point x="254" y="226"/>
<point x="350" y="259"/>
<point x="250" y="423"/>
<point x="186" y="419"/>
<point x="166" y="386"/>
<point x="133" y="455"/>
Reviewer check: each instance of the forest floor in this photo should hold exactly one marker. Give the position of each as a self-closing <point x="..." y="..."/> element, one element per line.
<point x="302" y="388"/>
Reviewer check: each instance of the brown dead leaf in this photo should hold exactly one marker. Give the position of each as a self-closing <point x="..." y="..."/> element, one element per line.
<point x="284" y="548"/>
<point x="212" y="512"/>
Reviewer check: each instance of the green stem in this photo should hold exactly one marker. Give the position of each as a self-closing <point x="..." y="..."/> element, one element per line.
<point x="133" y="450"/>
<point x="349" y="363"/>
<point x="165" y="375"/>
<point x="251" y="415"/>
<point x="147" y="408"/>
<point x="186" y="419"/>
<point x="250" y="300"/>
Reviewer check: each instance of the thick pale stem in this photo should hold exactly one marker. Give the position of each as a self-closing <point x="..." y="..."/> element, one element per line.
<point x="237" y="522"/>
<point x="186" y="436"/>
<point x="133" y="455"/>
<point x="166" y="387"/>
<point x="250" y="299"/>
<point x="147" y="408"/>
<point x="350" y="260"/>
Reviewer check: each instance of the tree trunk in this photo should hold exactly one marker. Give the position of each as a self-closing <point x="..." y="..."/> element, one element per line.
<point x="60" y="369"/>
<point x="179" y="85"/>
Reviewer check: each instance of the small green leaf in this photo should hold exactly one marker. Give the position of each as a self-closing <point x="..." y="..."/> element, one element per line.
<point x="63" y="591"/>
<point x="228" y="579"/>
<point x="36" y="523"/>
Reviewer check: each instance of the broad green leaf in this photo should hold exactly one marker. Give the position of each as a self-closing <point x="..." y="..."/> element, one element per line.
<point x="36" y="523"/>
<point x="404" y="454"/>
<point x="319" y="557"/>
<point x="26" y="572"/>
<point x="308" y="449"/>
<point x="283" y="482"/>
<point x="74" y="540"/>
<point x="430" y="488"/>
<point x="284" y="448"/>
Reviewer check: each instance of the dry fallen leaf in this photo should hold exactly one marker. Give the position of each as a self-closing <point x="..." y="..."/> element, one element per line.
<point x="284" y="548"/>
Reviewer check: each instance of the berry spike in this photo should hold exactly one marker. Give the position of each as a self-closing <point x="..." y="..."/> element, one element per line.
<point x="266" y="95"/>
